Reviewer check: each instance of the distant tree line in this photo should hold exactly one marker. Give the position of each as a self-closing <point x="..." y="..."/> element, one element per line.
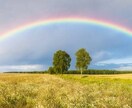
<point x="61" y="61"/>
<point x="61" y="64"/>
<point x="89" y="71"/>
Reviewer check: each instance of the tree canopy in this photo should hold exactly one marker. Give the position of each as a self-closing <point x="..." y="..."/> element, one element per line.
<point x="83" y="59"/>
<point x="61" y="61"/>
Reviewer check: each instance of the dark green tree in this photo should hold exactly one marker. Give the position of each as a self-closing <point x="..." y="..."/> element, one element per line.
<point x="51" y="70"/>
<point x="61" y="61"/>
<point x="83" y="59"/>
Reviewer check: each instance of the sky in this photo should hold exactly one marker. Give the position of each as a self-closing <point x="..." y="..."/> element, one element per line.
<point x="33" y="49"/>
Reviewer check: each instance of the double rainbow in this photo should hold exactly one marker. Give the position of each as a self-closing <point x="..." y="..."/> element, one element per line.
<point x="65" y="20"/>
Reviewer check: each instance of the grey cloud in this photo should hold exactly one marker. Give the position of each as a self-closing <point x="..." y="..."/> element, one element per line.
<point x="36" y="46"/>
<point x="16" y="12"/>
<point x="117" y="61"/>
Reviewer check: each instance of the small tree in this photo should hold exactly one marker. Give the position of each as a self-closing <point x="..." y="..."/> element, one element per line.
<point x="61" y="61"/>
<point x="83" y="59"/>
<point x="51" y="70"/>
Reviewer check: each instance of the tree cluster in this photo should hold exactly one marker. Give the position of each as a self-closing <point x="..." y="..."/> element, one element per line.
<point x="61" y="61"/>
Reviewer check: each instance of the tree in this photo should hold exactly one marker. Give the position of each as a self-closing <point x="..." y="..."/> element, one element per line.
<point x="83" y="59"/>
<point x="51" y="70"/>
<point x="61" y="61"/>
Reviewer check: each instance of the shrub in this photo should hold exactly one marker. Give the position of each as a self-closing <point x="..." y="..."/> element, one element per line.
<point x="51" y="70"/>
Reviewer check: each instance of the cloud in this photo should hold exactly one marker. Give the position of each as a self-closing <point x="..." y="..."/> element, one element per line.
<point x="115" y="64"/>
<point x="127" y="67"/>
<point x="37" y="46"/>
<point x="116" y="61"/>
<point x="15" y="13"/>
<point x="124" y="68"/>
<point x="34" y="67"/>
<point x="102" y="55"/>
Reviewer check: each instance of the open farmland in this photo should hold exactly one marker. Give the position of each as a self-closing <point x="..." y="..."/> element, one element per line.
<point x="65" y="91"/>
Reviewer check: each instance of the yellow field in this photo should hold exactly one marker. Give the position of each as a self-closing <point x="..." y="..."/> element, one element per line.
<point x="65" y="91"/>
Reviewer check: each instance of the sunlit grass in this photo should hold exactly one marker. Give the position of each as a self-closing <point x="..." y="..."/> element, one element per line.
<point x="64" y="91"/>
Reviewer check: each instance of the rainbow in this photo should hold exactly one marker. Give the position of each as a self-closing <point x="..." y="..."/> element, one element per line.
<point x="65" y="20"/>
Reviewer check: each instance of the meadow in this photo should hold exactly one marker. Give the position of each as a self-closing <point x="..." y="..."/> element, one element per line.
<point x="65" y="91"/>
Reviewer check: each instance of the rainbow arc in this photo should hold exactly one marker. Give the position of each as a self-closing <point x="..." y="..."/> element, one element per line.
<point x="65" y="20"/>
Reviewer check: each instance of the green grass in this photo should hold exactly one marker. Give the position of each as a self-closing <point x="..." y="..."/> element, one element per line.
<point x="65" y="91"/>
<point x="90" y="79"/>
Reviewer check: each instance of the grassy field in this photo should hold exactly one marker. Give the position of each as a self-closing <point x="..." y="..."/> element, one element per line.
<point x="65" y="91"/>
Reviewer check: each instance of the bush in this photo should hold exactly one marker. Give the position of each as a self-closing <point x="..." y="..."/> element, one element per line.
<point x="51" y="70"/>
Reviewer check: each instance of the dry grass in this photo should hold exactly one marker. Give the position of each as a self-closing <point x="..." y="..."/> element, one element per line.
<point x="66" y="91"/>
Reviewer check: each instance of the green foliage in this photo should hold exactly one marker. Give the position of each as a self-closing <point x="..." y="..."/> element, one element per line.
<point x="83" y="59"/>
<point x="96" y="72"/>
<point x="30" y="72"/>
<point x="51" y="70"/>
<point x="61" y="61"/>
<point x="90" y="71"/>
